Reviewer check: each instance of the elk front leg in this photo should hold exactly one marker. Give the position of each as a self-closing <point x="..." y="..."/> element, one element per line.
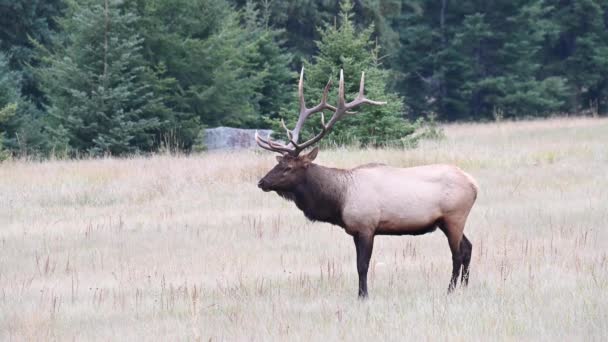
<point x="364" y="244"/>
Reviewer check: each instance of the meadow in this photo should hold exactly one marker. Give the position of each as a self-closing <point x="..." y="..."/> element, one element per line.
<point x="177" y="247"/>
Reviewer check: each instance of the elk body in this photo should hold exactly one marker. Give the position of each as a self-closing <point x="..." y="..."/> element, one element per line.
<point x="372" y="199"/>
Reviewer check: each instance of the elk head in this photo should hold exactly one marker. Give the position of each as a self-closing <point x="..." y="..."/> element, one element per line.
<point x="288" y="173"/>
<point x="291" y="167"/>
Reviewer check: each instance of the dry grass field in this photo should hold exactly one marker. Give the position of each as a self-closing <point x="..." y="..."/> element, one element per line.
<point x="187" y="248"/>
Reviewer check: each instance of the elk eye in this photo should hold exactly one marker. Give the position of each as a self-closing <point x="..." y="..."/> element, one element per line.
<point x="288" y="168"/>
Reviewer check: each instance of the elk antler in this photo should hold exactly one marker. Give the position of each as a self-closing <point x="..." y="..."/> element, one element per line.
<point x="340" y="111"/>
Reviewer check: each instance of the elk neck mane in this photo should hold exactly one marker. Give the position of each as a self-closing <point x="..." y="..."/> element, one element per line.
<point x="321" y="194"/>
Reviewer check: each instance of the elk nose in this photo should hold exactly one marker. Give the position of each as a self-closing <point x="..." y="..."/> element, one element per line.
<point x="261" y="184"/>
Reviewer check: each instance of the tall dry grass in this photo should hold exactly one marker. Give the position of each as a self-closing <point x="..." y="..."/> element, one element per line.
<point x="187" y="248"/>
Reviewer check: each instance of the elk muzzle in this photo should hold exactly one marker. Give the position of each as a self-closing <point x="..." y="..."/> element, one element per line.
<point x="263" y="184"/>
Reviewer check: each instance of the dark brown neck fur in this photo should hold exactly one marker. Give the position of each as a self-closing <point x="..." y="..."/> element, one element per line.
<point x="321" y="195"/>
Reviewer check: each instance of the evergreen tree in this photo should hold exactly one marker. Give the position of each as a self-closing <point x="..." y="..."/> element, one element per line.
<point x="268" y="65"/>
<point x="22" y="21"/>
<point x="474" y="60"/>
<point x="21" y="123"/>
<point x="9" y="84"/>
<point x="502" y="53"/>
<point x="9" y="97"/>
<point x="229" y="66"/>
<point x="520" y="88"/>
<point x="300" y="19"/>
<point x="344" y="47"/>
<point x="143" y="73"/>
<point x="579" y="52"/>
<point x="104" y="97"/>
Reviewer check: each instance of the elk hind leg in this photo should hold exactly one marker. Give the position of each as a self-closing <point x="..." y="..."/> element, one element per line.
<point x="466" y="248"/>
<point x="453" y="231"/>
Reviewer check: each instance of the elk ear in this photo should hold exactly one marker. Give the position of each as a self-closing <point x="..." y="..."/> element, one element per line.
<point x="312" y="155"/>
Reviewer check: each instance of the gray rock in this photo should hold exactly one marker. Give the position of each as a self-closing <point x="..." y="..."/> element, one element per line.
<point x="228" y="138"/>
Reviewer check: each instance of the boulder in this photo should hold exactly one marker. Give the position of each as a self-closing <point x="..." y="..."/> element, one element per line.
<point x="228" y="138"/>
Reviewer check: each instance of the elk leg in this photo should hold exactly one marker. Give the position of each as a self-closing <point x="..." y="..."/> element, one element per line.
<point x="454" y="233"/>
<point x="466" y="248"/>
<point x="364" y="245"/>
<point x="456" y="265"/>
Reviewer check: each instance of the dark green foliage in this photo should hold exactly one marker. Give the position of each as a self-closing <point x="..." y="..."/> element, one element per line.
<point x="6" y="113"/>
<point x="479" y="59"/>
<point x="105" y="98"/>
<point x="345" y="47"/>
<point x="9" y="97"/>
<point x="173" y="67"/>
<point x="20" y="22"/>
<point x="21" y="128"/>
<point x="579" y="52"/>
<point x="8" y="101"/>
<point x="9" y="83"/>
<point x="268" y="65"/>
<point x="229" y="67"/>
<point x="515" y="88"/>
<point x="299" y="18"/>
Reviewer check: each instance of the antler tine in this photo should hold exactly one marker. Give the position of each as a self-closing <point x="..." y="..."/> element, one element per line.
<point x="261" y="143"/>
<point x="361" y="97"/>
<point x="362" y="85"/>
<point x="341" y="100"/>
<point x="342" y="107"/>
<point x="301" y="91"/>
<point x="269" y="145"/>
<point x="289" y="134"/>
<point x="306" y="112"/>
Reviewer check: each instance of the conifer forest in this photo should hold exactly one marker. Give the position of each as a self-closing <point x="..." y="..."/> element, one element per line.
<point x="121" y="77"/>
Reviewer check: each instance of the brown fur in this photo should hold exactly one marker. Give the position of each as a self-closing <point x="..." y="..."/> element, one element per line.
<point x="320" y="194"/>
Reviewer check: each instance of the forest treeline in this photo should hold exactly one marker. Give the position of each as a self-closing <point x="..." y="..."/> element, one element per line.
<point x="94" y="77"/>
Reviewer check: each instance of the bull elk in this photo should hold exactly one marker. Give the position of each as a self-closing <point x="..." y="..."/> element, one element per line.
<point x="372" y="199"/>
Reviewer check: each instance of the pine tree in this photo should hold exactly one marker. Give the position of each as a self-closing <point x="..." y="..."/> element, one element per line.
<point x="105" y="98"/>
<point x="267" y="64"/>
<point x="9" y="97"/>
<point x="345" y="47"/>
<point x="426" y="69"/>
<point x="300" y="19"/>
<point x="579" y="51"/>
<point x="22" y="21"/>
<point x="521" y="89"/>
<point x="229" y="66"/>
<point x="472" y="60"/>
<point x="21" y="124"/>
<point x="502" y="70"/>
